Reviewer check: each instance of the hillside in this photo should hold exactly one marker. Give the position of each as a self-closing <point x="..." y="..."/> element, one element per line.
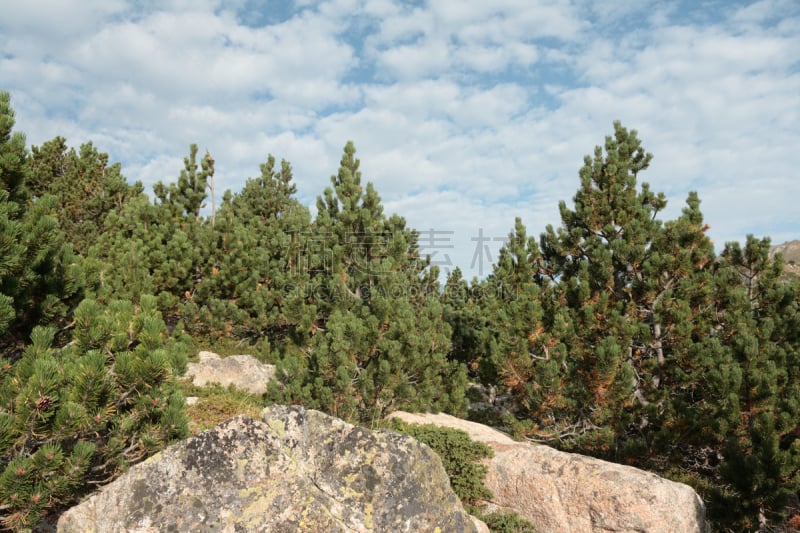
<point x="791" y="255"/>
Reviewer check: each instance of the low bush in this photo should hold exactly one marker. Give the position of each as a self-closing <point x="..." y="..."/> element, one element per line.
<point x="461" y="457"/>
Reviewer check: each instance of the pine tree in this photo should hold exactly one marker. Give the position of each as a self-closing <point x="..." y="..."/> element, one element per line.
<point x="627" y="338"/>
<point x="187" y="196"/>
<point x="378" y="341"/>
<point x="79" y="401"/>
<point x="638" y="294"/>
<point x="467" y="318"/>
<point x="530" y="332"/>
<point x="761" y="452"/>
<point x="85" y="185"/>
<point x="250" y="286"/>
<point x="40" y="277"/>
<point x="12" y="198"/>
<point x="77" y="416"/>
<point x="157" y="247"/>
<point x="13" y="154"/>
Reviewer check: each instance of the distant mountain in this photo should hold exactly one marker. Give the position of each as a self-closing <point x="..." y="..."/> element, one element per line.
<point x="791" y="255"/>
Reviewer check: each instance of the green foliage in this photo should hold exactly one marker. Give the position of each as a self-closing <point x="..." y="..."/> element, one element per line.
<point x="186" y="197"/>
<point x="87" y="188"/>
<point x="12" y="154"/>
<point x="527" y="351"/>
<point x="156" y="248"/>
<point x="507" y="523"/>
<point x="247" y="288"/>
<point x="344" y="305"/>
<point x="625" y="337"/>
<point x="353" y="293"/>
<point x="616" y="334"/>
<point x="40" y="277"/>
<point x="761" y="452"/>
<point x="597" y="351"/>
<point x="460" y="455"/>
<point x="79" y="401"/>
<point x="376" y="341"/>
<point x="466" y="317"/>
<point x="77" y="416"/>
<point x="461" y="458"/>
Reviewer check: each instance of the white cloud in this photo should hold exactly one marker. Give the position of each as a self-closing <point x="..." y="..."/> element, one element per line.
<point x="491" y="108"/>
<point x="465" y="113"/>
<point x="464" y="107"/>
<point x="716" y="105"/>
<point x="413" y="61"/>
<point x="160" y="168"/>
<point x="199" y="55"/>
<point x="56" y="20"/>
<point x="489" y="59"/>
<point x="766" y="11"/>
<point x="484" y="37"/>
<point x="612" y="12"/>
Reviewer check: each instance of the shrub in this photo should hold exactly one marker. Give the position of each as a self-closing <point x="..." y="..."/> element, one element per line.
<point x="461" y="457"/>
<point x="76" y="417"/>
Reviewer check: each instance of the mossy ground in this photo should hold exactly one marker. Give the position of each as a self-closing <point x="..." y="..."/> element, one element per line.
<point x="216" y="404"/>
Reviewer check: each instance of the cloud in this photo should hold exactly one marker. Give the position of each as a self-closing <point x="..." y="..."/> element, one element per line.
<point x="54" y="20"/>
<point x="714" y="103"/>
<point x="465" y="113"/>
<point x="471" y="36"/>
<point x="201" y="55"/>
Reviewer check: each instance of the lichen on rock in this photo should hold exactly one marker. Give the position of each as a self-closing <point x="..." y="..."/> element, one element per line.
<point x="293" y="470"/>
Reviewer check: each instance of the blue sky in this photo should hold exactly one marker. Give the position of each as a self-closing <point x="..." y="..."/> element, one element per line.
<point x="465" y="113"/>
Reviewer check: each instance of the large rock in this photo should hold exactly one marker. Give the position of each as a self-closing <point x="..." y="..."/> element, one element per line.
<point x="242" y="371"/>
<point x="294" y="470"/>
<point x="560" y="491"/>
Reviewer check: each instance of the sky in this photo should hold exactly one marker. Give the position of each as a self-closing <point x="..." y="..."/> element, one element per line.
<point x="465" y="113"/>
